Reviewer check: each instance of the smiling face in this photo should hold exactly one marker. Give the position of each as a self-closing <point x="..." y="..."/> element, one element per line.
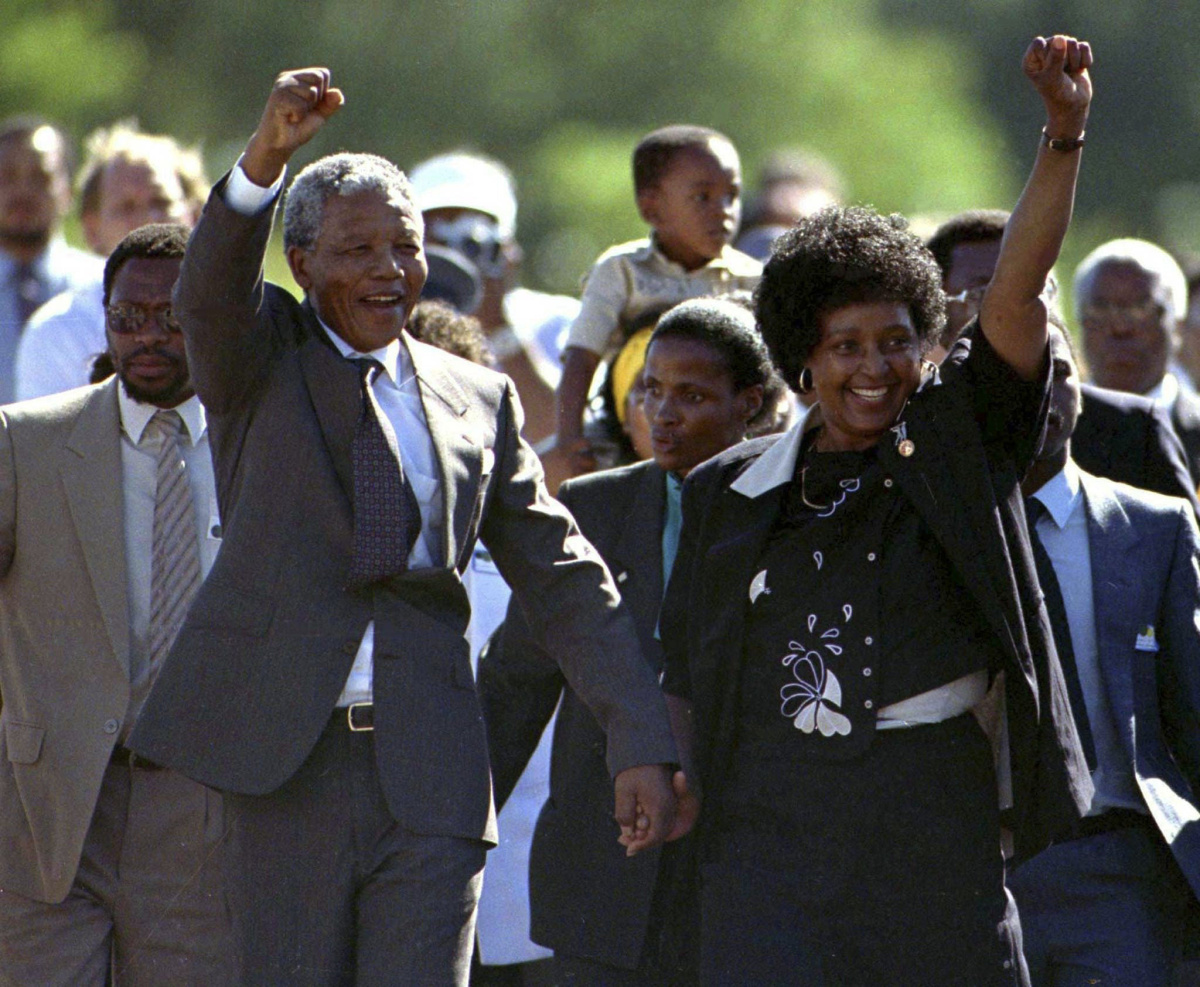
<point x="691" y="405"/>
<point x="150" y="359"/>
<point x="366" y="270"/>
<point x="1128" y="327"/>
<point x="697" y="204"/>
<point x="864" y="367"/>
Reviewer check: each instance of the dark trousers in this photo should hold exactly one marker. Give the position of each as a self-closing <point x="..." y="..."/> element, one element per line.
<point x="147" y="907"/>
<point x="885" y="870"/>
<point x="1108" y="909"/>
<point x="329" y="891"/>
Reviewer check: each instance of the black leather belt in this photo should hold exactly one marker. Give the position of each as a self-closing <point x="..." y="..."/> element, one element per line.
<point x="357" y="717"/>
<point x="126" y="758"/>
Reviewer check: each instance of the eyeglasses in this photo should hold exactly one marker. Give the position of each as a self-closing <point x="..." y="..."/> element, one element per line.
<point x="476" y="238"/>
<point x="1108" y="312"/>
<point x="125" y="318"/>
<point x="969" y="296"/>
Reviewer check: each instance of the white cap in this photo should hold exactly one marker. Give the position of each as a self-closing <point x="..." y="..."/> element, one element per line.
<point x="464" y="181"/>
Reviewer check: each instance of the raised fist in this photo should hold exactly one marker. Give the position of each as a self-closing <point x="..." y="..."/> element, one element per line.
<point x="301" y="101"/>
<point x="1058" y="68"/>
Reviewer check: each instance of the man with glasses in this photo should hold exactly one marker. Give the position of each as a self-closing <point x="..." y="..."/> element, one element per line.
<point x="1130" y="296"/>
<point x="107" y="527"/>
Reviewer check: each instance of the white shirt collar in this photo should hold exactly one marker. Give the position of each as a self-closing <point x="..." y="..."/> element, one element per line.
<point x="1165" y="392"/>
<point x="394" y="358"/>
<point x="777" y="465"/>
<point x="136" y="415"/>
<point x="1061" y="493"/>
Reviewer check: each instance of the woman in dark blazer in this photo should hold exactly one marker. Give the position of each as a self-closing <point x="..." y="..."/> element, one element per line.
<point x="708" y="379"/>
<point x="843" y="598"/>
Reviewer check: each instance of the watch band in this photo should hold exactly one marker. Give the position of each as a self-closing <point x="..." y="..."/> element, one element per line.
<point x="1064" y="144"/>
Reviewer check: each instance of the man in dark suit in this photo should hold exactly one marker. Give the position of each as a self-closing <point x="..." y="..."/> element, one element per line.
<point x="323" y="678"/>
<point x="1130" y="296"/>
<point x="1109" y="903"/>
<point x="1120" y="436"/>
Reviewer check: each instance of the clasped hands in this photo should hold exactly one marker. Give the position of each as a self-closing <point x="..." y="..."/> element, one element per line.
<point x="654" y="806"/>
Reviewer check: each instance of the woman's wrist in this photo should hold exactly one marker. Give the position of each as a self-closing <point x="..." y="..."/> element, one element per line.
<point x="1065" y="126"/>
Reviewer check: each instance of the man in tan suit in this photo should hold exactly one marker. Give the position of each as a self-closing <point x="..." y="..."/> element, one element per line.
<point x="108" y="863"/>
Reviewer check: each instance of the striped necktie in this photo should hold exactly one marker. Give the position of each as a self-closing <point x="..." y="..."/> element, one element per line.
<point x="175" y="566"/>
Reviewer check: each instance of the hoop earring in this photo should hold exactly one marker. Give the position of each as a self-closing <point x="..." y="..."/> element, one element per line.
<point x="806" y="381"/>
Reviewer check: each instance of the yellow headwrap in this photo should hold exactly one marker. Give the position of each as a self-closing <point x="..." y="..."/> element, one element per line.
<point x="626" y="365"/>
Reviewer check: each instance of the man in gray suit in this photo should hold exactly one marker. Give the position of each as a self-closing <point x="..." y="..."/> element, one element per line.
<point x="109" y="865"/>
<point x="1120" y="568"/>
<point x="323" y="676"/>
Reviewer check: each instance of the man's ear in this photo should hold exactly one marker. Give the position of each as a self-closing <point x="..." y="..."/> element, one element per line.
<point x="297" y="258"/>
<point x="647" y="204"/>
<point x="749" y="402"/>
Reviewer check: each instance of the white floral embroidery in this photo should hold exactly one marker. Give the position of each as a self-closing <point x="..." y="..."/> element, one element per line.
<point x="819" y="558"/>
<point x="758" y="586"/>
<point x="848" y="487"/>
<point x="812" y="701"/>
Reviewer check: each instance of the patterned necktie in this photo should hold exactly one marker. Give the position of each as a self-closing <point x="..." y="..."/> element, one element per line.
<point x="1034" y="509"/>
<point x="387" y="517"/>
<point x="175" y="566"/>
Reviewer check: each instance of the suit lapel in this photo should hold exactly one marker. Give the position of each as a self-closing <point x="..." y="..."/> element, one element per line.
<point x="636" y="556"/>
<point x="459" y="452"/>
<point x="333" y="385"/>
<point x="93" y="481"/>
<point x="1112" y="545"/>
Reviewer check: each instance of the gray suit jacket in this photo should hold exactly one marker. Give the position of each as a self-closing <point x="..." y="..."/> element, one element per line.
<point x="1145" y="552"/>
<point x="64" y="629"/>
<point x="267" y="647"/>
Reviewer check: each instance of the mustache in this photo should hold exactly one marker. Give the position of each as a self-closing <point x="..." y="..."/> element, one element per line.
<point x="155" y="351"/>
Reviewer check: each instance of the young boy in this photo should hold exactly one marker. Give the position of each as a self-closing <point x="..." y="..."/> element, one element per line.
<point x="688" y="186"/>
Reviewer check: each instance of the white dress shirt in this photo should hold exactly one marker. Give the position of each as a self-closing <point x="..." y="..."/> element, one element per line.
<point x="399" y="398"/>
<point x="60" y="342"/>
<point x="1064" y="533"/>
<point x="139" y="476"/>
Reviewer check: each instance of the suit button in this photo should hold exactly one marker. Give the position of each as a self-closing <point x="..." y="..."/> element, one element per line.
<point x="867" y="672"/>
<point x="869" y="705"/>
<point x="111" y="726"/>
<point x="888" y="483"/>
<point x="870" y="556"/>
<point x="869" y="641"/>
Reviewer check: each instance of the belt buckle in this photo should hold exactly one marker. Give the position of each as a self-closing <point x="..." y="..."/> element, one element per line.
<point x="355" y="726"/>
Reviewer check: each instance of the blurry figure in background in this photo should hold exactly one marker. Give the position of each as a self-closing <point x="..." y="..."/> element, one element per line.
<point x="440" y="324"/>
<point x="624" y="412"/>
<point x="688" y="184"/>
<point x="469" y="204"/>
<point x="1130" y="297"/>
<point x="792" y="183"/>
<point x="128" y="179"/>
<point x="454" y="280"/>
<point x="35" y="261"/>
<point x="1119" y="436"/>
<point x="707" y="375"/>
<point x="1189" y="330"/>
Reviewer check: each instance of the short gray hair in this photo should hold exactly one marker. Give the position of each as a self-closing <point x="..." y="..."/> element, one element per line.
<point x="338" y="174"/>
<point x="1141" y="254"/>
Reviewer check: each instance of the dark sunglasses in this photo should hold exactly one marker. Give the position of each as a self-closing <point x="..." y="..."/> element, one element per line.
<point x="125" y="318"/>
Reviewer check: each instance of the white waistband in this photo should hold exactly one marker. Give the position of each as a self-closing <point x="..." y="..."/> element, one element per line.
<point x="943" y="703"/>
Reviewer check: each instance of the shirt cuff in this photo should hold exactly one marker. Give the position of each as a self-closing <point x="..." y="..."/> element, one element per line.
<point x="243" y="196"/>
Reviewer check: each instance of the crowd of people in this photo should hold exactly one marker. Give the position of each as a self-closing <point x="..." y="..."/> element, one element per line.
<point x="783" y="610"/>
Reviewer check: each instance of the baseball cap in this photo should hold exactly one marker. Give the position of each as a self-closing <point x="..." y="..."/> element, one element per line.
<point x="466" y="181"/>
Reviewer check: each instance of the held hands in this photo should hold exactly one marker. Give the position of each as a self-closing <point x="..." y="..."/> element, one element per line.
<point x="653" y="808"/>
<point x="1058" y="68"/>
<point x="301" y="101"/>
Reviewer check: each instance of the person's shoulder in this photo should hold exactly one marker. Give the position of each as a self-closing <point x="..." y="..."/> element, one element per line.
<point x="740" y="265"/>
<point x="607" y="483"/>
<point x="1135" y="503"/>
<point x="635" y="251"/>
<point x="470" y="376"/>
<point x="52" y="410"/>
<point x="1116" y="402"/>
<point x="1187" y="411"/>
<point x="731" y="462"/>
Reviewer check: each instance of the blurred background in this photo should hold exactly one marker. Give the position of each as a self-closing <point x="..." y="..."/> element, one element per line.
<point x="919" y="103"/>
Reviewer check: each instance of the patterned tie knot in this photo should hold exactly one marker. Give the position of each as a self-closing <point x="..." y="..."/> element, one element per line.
<point x="368" y="369"/>
<point x="168" y="424"/>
